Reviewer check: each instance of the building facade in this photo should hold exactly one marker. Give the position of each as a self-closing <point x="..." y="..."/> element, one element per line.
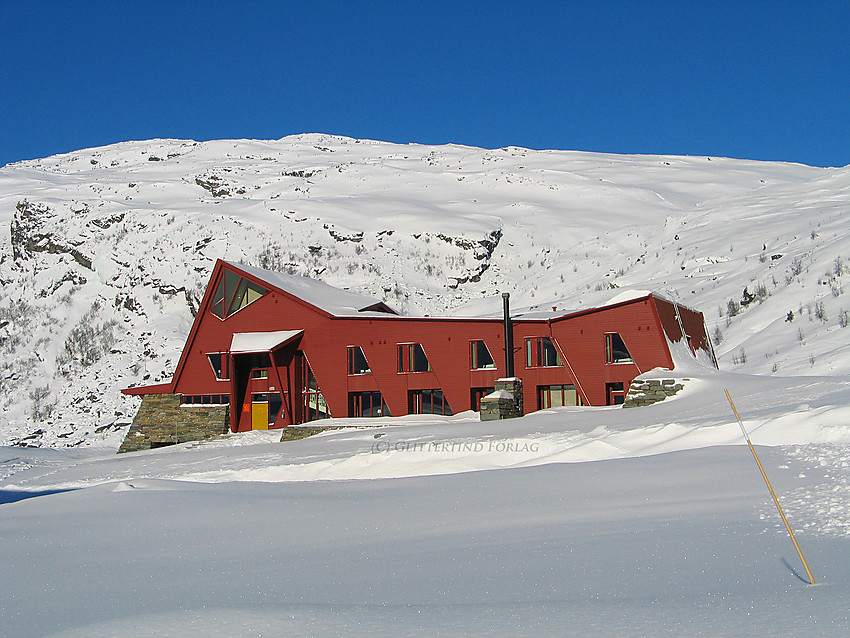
<point x="269" y="350"/>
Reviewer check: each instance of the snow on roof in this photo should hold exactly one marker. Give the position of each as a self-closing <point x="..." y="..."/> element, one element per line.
<point x="317" y="293"/>
<point x="554" y="309"/>
<point x="261" y="341"/>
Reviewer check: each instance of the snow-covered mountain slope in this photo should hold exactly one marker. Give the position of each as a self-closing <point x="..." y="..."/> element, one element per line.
<point x="108" y="251"/>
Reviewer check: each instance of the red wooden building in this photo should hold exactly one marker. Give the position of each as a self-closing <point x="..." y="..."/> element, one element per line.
<point x="281" y="350"/>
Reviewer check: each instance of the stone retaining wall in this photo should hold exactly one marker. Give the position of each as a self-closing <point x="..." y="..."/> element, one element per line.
<point x="161" y="420"/>
<point x="648" y="391"/>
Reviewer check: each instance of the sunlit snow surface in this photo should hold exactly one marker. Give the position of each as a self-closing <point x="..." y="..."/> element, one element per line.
<point x="603" y="521"/>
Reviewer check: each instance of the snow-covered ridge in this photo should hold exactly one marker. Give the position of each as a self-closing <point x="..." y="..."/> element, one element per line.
<point x="109" y="249"/>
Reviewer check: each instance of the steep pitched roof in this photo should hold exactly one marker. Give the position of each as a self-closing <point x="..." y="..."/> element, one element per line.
<point x="334" y="301"/>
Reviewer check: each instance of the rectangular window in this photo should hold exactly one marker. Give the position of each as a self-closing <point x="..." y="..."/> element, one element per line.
<point x="275" y="407"/>
<point x="367" y="404"/>
<point x="480" y="358"/>
<point x="428" y="402"/>
<point x="204" y="399"/>
<point x="259" y="374"/>
<point x="314" y="404"/>
<point x="615" y="393"/>
<point x="615" y="349"/>
<point x="220" y="362"/>
<point x="540" y="352"/>
<point x="411" y="358"/>
<point x="357" y="363"/>
<point x="555" y="396"/>
<point x="476" y="394"/>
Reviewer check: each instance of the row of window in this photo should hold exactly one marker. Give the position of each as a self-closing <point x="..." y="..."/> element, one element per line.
<point x="371" y="404"/>
<point x="540" y="353"/>
<point x="205" y="399"/>
<point x="366" y="404"/>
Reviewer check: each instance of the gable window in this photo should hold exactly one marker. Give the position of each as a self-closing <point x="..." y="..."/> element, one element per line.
<point x="357" y="363"/>
<point x="540" y="352"/>
<point x="428" y="402"/>
<point x="615" y="349"/>
<point x="220" y="362"/>
<point x="480" y="358"/>
<point x="234" y="293"/>
<point x="411" y="358"/>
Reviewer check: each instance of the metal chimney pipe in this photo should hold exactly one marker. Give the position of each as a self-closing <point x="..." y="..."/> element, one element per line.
<point x="509" y="335"/>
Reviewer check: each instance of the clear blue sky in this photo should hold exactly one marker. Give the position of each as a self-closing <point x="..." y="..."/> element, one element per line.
<point x="758" y="80"/>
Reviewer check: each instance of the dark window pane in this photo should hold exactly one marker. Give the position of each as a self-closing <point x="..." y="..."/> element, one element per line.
<point x="420" y="362"/>
<point x="357" y="363"/>
<point x="481" y="356"/>
<point x="618" y="351"/>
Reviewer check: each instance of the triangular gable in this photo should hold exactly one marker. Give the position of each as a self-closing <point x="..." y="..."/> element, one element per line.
<point x="313" y="294"/>
<point x="330" y="300"/>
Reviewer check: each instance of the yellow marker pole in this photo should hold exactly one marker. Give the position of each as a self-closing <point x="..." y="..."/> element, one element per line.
<point x="772" y="493"/>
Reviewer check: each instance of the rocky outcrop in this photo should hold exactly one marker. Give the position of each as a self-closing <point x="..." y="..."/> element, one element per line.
<point x="29" y="234"/>
<point x="482" y="250"/>
<point x="217" y="186"/>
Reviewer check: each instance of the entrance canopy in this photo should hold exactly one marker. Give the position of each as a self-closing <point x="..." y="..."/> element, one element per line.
<point x="247" y="342"/>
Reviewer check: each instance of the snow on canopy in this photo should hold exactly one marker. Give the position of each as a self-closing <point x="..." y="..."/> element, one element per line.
<point x="332" y="300"/>
<point x="243" y="342"/>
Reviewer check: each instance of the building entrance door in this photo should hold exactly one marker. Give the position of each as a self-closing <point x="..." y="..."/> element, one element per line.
<point x="260" y="412"/>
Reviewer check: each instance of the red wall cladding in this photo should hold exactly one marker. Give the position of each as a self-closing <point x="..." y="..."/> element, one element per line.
<point x="579" y="338"/>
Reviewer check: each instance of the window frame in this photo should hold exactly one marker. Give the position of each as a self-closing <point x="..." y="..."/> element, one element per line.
<point x="546" y="391"/>
<point x="352" y="359"/>
<point x="416" y="400"/>
<point x="376" y="401"/>
<point x="225" y="365"/>
<point x="474" y="355"/>
<point x="227" y="291"/>
<point x="613" y="393"/>
<point x="475" y="396"/>
<point x="407" y="361"/>
<point x="313" y="401"/>
<point x="534" y="346"/>
<point x="204" y="400"/>
<point x="610" y="350"/>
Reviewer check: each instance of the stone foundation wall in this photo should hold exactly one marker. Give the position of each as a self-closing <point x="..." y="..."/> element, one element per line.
<point x="648" y="391"/>
<point x="162" y="421"/>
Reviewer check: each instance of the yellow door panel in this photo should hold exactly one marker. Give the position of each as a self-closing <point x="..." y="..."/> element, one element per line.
<point x="260" y="416"/>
